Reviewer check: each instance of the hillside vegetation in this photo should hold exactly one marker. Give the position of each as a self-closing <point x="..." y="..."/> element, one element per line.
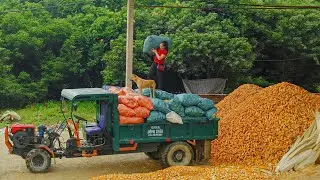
<point x="48" y="45"/>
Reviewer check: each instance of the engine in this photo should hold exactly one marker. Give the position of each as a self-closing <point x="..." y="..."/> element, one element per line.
<point x="23" y="135"/>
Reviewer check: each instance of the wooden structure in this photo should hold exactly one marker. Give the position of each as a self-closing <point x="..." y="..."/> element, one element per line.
<point x="214" y="97"/>
<point x="129" y="46"/>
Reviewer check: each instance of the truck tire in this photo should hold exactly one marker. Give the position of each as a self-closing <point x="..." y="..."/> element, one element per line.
<point x="177" y="154"/>
<point x="153" y="155"/>
<point x="38" y="161"/>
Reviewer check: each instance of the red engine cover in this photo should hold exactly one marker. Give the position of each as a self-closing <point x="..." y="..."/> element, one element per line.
<point x="20" y="127"/>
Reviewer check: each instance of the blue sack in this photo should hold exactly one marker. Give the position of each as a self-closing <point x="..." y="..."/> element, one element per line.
<point x="205" y="104"/>
<point x="194" y="111"/>
<point x="163" y="95"/>
<point x="160" y="105"/>
<point x="145" y="92"/>
<point x="153" y="42"/>
<point x="156" y="116"/>
<point x="211" y="113"/>
<point x="188" y="99"/>
<point x="176" y="106"/>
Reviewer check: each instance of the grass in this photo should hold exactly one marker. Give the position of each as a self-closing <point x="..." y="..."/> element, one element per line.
<point x="49" y="113"/>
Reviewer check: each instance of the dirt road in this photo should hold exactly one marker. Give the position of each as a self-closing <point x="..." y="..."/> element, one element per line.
<point x="14" y="167"/>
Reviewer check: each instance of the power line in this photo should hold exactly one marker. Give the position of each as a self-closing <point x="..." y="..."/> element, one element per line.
<point x="222" y="8"/>
<point x="288" y="6"/>
<point x="244" y="4"/>
<point x="44" y="7"/>
<point x="207" y="7"/>
<point x="170" y="7"/>
<point x="282" y="60"/>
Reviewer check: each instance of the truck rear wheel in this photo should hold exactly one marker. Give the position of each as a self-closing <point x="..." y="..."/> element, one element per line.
<point x="177" y="154"/>
<point x="38" y="161"/>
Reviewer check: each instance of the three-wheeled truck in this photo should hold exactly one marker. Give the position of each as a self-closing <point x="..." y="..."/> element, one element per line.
<point x="173" y="144"/>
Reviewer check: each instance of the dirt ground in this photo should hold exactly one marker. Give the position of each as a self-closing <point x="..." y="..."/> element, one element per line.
<point x="13" y="167"/>
<point x="310" y="173"/>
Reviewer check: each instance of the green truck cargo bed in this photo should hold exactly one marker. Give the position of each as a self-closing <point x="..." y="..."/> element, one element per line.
<point x="166" y="131"/>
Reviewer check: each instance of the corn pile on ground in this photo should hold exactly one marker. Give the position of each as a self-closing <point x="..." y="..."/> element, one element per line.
<point x="232" y="101"/>
<point x="257" y="126"/>
<point x="193" y="173"/>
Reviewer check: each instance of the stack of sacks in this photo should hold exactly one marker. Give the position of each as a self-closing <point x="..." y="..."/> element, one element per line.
<point x="163" y="95"/>
<point x="193" y="107"/>
<point x="160" y="105"/>
<point x="123" y="91"/>
<point x="160" y="109"/>
<point x="133" y="108"/>
<point x="188" y="106"/>
<point x="208" y="107"/>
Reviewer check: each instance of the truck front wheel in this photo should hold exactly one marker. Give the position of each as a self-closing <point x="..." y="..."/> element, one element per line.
<point x="38" y="161"/>
<point x="177" y="154"/>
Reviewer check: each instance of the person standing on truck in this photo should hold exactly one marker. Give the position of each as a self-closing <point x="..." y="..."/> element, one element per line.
<point x="156" y="71"/>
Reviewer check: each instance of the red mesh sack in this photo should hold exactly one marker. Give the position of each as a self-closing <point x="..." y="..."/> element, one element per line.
<point x="130" y="120"/>
<point x="113" y="90"/>
<point x="142" y="112"/>
<point x="129" y="101"/>
<point x="144" y="102"/>
<point x="128" y="90"/>
<point x="126" y="111"/>
<point x="121" y="92"/>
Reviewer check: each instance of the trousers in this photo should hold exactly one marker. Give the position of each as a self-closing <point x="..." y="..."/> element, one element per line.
<point x="156" y="75"/>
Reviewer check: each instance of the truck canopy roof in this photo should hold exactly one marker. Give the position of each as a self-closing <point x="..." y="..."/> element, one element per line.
<point x="85" y="93"/>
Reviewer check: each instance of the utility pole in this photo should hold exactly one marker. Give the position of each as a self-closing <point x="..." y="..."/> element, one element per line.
<point x="129" y="46"/>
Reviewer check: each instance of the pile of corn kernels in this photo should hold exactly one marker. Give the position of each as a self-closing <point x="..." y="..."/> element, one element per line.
<point x="192" y="172"/>
<point x="262" y="124"/>
<point x="239" y="95"/>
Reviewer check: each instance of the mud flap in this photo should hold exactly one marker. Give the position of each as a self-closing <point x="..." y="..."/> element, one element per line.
<point x="202" y="151"/>
<point x="6" y="140"/>
<point x="207" y="150"/>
